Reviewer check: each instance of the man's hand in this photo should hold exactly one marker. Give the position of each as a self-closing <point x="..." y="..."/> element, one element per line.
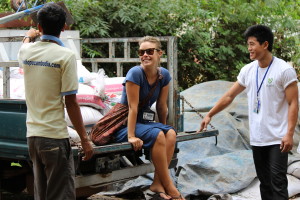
<point x="31" y="35"/>
<point x="286" y="143"/>
<point x="204" y="123"/>
<point x="88" y="150"/>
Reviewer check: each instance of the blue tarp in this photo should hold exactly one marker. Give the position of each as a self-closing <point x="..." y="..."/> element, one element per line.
<point x="207" y="168"/>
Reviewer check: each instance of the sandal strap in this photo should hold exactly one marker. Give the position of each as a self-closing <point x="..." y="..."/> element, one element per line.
<point x="177" y="197"/>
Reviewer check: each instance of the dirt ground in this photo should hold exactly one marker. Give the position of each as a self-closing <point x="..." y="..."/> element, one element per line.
<point x="24" y="196"/>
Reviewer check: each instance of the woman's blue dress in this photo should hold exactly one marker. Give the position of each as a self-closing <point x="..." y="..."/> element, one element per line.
<point x="145" y="130"/>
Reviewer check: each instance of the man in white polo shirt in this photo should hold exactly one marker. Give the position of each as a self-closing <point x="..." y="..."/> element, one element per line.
<point x="50" y="77"/>
<point x="271" y="87"/>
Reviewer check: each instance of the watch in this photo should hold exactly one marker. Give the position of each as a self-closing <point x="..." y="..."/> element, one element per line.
<point x="30" y="38"/>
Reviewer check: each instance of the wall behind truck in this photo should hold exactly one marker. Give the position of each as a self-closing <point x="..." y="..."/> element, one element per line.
<point x="9" y="50"/>
<point x="10" y="43"/>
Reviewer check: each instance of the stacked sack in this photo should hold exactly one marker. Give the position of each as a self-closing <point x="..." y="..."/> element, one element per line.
<point x="97" y="93"/>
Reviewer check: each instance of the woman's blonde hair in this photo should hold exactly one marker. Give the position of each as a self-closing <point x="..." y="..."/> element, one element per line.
<point x="151" y="39"/>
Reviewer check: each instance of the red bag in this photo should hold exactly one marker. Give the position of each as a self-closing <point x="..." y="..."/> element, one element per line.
<point x="102" y="131"/>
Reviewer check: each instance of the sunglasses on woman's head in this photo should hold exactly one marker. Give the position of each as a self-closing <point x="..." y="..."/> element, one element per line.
<point x="150" y="51"/>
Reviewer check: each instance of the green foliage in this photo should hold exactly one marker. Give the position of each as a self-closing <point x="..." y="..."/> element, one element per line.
<point x="89" y="16"/>
<point x="210" y="33"/>
<point x="5" y="6"/>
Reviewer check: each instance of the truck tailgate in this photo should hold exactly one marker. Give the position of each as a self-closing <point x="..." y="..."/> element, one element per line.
<point x="125" y="146"/>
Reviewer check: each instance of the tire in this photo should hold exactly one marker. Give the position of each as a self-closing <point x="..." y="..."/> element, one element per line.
<point x="15" y="4"/>
<point x="14" y="185"/>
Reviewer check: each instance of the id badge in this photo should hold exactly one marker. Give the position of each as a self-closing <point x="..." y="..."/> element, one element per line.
<point x="148" y="115"/>
<point x="256" y="106"/>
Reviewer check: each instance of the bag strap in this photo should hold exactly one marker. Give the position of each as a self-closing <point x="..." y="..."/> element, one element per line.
<point x="159" y="77"/>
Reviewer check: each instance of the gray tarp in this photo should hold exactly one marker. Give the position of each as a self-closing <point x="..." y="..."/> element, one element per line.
<point x="227" y="167"/>
<point x="208" y="168"/>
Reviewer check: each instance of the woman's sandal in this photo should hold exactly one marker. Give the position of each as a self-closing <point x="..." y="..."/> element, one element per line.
<point x="150" y="195"/>
<point x="177" y="197"/>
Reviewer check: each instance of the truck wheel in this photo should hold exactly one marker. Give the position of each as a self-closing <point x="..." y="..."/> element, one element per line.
<point x="15" y="4"/>
<point x="29" y="184"/>
<point x="14" y="185"/>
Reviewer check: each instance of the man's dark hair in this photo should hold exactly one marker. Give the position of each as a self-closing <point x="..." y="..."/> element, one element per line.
<point x="52" y="19"/>
<point x="261" y="33"/>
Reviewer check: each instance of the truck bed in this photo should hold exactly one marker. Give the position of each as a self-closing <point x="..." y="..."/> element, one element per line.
<point x="111" y="163"/>
<point x="13" y="133"/>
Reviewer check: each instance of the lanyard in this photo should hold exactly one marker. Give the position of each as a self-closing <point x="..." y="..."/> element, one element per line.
<point x="258" y="89"/>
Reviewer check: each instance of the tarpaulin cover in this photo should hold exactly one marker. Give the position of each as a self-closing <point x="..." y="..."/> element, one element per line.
<point x="207" y="168"/>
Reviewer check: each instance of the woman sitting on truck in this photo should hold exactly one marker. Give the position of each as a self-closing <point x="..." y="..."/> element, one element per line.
<point x="141" y="131"/>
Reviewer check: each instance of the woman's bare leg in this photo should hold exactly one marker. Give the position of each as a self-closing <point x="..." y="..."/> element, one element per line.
<point x="170" y="146"/>
<point x="162" y="180"/>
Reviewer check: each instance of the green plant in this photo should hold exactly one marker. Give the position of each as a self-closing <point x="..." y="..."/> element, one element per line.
<point x="210" y="33"/>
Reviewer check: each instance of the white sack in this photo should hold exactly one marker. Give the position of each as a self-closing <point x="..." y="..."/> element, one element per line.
<point x="17" y="88"/>
<point x="84" y="76"/>
<point x="90" y="100"/>
<point x="252" y="192"/>
<point x="294" y="169"/>
<point x="114" y="85"/>
<point x="89" y="116"/>
<point x="74" y="137"/>
<point x="85" y="89"/>
<point x="99" y="84"/>
<point x="153" y="108"/>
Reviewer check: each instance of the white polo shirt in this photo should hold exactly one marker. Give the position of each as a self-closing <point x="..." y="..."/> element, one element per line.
<point x="49" y="74"/>
<point x="270" y="125"/>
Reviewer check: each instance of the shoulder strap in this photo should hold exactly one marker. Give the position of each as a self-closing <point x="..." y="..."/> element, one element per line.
<point x="148" y="97"/>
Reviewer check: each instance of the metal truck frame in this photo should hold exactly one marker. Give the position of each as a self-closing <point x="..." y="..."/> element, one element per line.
<point x="111" y="163"/>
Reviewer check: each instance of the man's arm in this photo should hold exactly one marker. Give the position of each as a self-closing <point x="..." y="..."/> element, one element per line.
<point x="225" y="100"/>
<point x="74" y="113"/>
<point x="291" y="94"/>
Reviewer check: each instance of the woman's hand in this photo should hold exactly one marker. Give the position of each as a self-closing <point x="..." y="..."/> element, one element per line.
<point x="137" y="143"/>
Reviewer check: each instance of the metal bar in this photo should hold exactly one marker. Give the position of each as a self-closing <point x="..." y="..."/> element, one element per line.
<point x="126" y="146"/>
<point x="116" y="60"/>
<point x="9" y="64"/>
<point x="118" y="175"/>
<point x="97" y="180"/>
<point x="6" y="81"/>
<point x="126" y="50"/>
<point x="172" y="67"/>
<point x="11" y="39"/>
<point x="21" y="14"/>
<point x="94" y="66"/>
<point x="6" y="72"/>
<point x="112" y="49"/>
<point x="129" y="39"/>
<point x="182" y="136"/>
<point x="119" y="69"/>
